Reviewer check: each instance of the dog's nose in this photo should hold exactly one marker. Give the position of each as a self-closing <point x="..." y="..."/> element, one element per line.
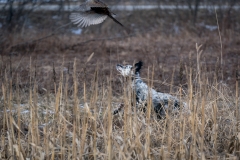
<point x="119" y="65"/>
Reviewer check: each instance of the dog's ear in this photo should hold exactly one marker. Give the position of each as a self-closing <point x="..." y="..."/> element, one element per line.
<point x="138" y="66"/>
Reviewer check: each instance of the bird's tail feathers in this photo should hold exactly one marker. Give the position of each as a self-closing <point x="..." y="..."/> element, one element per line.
<point x="116" y="20"/>
<point x="127" y="29"/>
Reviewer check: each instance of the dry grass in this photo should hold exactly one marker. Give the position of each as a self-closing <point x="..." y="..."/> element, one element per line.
<point x="57" y="99"/>
<point x="75" y="120"/>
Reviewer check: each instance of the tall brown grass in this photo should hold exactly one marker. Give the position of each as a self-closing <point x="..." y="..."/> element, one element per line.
<point x="61" y="108"/>
<point x="70" y="123"/>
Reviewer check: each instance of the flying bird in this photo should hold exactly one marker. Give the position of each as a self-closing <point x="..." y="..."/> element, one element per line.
<point x="92" y="12"/>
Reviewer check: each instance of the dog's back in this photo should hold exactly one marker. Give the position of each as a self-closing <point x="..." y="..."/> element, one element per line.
<point x="160" y="101"/>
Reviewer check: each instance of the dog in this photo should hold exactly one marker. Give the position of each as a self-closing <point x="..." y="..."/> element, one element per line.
<point x="160" y="101"/>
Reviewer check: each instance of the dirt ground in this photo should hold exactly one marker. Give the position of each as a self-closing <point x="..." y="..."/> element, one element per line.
<point x="42" y="63"/>
<point x="165" y="41"/>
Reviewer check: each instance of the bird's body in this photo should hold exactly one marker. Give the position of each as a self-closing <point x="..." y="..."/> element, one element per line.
<point x="92" y="12"/>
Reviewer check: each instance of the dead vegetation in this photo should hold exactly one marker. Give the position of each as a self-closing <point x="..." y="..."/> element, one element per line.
<point x="57" y="98"/>
<point x="75" y="120"/>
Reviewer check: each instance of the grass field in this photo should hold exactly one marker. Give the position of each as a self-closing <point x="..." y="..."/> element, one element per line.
<point x="58" y="93"/>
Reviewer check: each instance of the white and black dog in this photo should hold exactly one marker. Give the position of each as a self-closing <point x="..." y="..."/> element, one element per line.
<point x="160" y="101"/>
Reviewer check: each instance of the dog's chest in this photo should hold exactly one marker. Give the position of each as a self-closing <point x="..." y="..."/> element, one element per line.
<point x="141" y="89"/>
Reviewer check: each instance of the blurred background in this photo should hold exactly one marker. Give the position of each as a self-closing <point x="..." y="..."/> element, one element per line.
<point x="37" y="14"/>
<point x="161" y="33"/>
<point x="59" y="83"/>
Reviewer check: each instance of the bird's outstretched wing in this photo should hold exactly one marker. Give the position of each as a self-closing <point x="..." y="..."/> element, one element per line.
<point x="91" y="12"/>
<point x="85" y="19"/>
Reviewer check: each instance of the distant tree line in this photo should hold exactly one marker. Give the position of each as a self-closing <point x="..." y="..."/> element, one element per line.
<point x="15" y="11"/>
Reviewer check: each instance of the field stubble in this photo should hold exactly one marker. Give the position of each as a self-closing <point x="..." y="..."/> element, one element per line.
<point x="58" y="95"/>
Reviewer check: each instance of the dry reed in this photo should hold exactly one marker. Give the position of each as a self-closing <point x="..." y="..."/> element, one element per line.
<point x="64" y="125"/>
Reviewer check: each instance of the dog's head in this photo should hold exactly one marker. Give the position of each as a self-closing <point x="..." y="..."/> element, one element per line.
<point x="129" y="70"/>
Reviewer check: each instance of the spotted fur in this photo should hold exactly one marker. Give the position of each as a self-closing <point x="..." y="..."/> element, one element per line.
<point x="160" y="101"/>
